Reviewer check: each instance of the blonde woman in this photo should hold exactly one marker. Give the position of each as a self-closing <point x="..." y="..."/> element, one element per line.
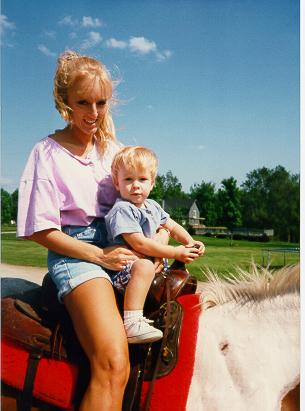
<point x="65" y="191"/>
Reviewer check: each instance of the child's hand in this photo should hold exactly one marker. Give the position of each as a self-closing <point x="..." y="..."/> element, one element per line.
<point x="199" y="245"/>
<point x="186" y="254"/>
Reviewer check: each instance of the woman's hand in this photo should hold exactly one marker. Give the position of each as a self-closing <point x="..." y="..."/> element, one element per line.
<point x="114" y="258"/>
<point x="117" y="257"/>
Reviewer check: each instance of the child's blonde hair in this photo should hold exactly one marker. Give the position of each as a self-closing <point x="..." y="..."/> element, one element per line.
<point x="72" y="66"/>
<point x="135" y="158"/>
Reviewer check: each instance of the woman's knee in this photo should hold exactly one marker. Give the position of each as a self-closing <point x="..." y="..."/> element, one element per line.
<point x="111" y="367"/>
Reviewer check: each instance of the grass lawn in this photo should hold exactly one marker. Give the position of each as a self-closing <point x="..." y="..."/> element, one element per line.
<point x="222" y="255"/>
<point x="22" y="252"/>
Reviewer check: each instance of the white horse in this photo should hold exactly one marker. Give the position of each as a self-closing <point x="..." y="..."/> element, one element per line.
<point x="247" y="351"/>
<point x="245" y="356"/>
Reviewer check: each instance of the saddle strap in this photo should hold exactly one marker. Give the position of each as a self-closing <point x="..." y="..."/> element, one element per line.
<point x="26" y="395"/>
<point x="133" y="390"/>
<point x="163" y="344"/>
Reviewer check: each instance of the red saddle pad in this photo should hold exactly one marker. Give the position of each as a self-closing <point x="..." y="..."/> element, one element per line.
<point x="55" y="380"/>
<point x="170" y="392"/>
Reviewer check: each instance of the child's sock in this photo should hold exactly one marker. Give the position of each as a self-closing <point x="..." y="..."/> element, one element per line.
<point x="132" y="315"/>
<point x="139" y="329"/>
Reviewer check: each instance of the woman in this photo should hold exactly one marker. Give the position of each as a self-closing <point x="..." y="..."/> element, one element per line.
<point x="64" y="193"/>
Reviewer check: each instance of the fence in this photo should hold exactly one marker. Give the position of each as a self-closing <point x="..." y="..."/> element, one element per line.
<point x="266" y="253"/>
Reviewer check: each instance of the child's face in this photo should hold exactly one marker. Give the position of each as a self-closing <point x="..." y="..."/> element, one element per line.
<point x="134" y="185"/>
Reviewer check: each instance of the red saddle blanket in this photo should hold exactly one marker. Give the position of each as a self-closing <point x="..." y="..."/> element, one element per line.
<point x="55" y="380"/>
<point x="170" y="392"/>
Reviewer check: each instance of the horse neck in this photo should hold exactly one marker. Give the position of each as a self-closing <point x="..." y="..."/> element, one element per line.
<point x="247" y="355"/>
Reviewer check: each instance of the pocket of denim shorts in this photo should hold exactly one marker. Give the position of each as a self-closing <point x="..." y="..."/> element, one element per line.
<point x="95" y="233"/>
<point x="89" y="235"/>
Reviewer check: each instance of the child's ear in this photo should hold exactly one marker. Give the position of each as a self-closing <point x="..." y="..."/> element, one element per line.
<point x="115" y="183"/>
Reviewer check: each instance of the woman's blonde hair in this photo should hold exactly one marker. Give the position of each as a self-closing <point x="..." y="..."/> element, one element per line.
<point x="71" y="66"/>
<point x="135" y="158"/>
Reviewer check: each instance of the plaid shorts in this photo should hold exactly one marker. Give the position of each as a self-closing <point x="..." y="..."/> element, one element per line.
<point x="121" y="279"/>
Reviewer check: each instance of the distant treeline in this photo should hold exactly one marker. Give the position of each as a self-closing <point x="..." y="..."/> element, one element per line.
<point x="269" y="198"/>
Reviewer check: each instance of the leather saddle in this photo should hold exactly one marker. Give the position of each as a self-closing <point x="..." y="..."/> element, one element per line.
<point x="41" y="326"/>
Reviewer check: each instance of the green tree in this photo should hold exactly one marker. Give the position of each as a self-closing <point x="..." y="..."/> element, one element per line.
<point x="271" y="199"/>
<point x="14" y="198"/>
<point x="158" y="191"/>
<point x="172" y="186"/>
<point x="254" y="199"/>
<point x="6" y="207"/>
<point x="179" y="214"/>
<point x="205" y="196"/>
<point x="168" y="191"/>
<point x="167" y="186"/>
<point x="228" y="202"/>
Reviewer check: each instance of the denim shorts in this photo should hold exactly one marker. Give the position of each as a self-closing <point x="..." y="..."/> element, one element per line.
<point x="67" y="272"/>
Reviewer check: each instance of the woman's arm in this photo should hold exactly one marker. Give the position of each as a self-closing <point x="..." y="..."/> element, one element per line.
<point x="113" y="258"/>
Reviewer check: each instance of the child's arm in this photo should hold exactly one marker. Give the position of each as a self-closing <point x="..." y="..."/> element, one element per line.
<point x="152" y="248"/>
<point x="178" y="233"/>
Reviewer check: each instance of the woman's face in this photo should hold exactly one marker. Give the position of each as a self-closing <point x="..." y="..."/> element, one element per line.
<point x="88" y="102"/>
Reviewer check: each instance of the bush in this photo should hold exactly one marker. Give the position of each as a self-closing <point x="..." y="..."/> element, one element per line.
<point x="222" y="235"/>
<point x="191" y="230"/>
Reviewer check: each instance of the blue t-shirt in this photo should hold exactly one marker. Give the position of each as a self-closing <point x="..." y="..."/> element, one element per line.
<point x="125" y="218"/>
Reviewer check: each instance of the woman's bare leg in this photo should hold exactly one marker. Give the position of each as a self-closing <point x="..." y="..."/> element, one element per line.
<point x="100" y="330"/>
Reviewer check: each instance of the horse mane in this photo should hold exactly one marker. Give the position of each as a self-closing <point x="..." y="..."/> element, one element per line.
<point x="249" y="286"/>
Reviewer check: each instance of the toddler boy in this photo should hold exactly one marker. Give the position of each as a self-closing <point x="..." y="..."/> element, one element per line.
<point x="134" y="219"/>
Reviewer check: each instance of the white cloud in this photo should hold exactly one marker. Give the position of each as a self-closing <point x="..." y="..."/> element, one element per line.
<point x="68" y="21"/>
<point x="142" y="45"/>
<point x="116" y="44"/>
<point x="164" y="55"/>
<point x="5" y="24"/>
<point x="44" y="50"/>
<point x="88" y="21"/>
<point x="139" y="45"/>
<point x="50" y="33"/>
<point x="167" y="53"/>
<point x="93" y="39"/>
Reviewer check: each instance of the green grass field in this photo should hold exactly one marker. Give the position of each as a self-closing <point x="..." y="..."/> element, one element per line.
<point x="222" y="255"/>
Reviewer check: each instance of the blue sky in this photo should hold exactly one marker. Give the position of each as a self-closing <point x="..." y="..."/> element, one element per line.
<point x="212" y="86"/>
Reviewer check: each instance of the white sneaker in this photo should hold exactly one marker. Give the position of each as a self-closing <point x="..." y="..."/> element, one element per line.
<point x="139" y="331"/>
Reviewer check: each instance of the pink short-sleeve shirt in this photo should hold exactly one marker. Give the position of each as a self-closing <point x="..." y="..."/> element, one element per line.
<point x="58" y="188"/>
